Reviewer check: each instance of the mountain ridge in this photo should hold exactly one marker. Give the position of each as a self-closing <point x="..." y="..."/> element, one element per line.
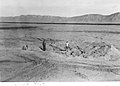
<point x="115" y="17"/>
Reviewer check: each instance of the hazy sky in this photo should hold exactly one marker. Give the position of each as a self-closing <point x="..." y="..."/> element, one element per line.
<point x="58" y="7"/>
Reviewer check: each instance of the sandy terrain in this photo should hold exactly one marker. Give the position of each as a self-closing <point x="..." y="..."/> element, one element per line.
<point x="56" y="64"/>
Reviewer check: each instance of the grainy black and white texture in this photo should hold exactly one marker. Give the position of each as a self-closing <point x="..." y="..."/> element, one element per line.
<point x="35" y="48"/>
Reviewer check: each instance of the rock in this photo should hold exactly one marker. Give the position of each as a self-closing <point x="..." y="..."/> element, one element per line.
<point x="113" y="54"/>
<point x="75" y="52"/>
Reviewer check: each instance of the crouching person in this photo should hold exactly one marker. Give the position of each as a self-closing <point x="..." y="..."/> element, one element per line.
<point x="25" y="47"/>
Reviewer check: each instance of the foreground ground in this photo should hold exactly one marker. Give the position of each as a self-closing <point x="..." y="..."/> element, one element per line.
<point x="37" y="65"/>
<point x="55" y="64"/>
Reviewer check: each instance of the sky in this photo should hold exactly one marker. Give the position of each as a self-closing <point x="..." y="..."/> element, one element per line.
<point x="64" y="8"/>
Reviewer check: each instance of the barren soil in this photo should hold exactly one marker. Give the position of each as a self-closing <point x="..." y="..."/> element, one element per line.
<point x="55" y="64"/>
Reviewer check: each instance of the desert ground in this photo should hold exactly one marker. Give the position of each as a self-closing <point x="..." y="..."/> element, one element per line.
<point x="94" y="53"/>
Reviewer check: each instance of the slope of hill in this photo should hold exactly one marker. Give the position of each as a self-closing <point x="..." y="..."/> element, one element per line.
<point x="88" y="18"/>
<point x="113" y="17"/>
<point x="97" y="18"/>
<point x="52" y="19"/>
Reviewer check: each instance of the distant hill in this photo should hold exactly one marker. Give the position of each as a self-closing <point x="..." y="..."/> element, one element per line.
<point x="97" y="18"/>
<point x="31" y="18"/>
<point x="52" y="19"/>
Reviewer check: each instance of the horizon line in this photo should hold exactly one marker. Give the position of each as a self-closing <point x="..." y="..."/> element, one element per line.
<point x="70" y="23"/>
<point x="60" y="16"/>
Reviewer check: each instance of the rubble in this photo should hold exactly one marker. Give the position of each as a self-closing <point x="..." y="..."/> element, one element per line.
<point x="83" y="49"/>
<point x="94" y="49"/>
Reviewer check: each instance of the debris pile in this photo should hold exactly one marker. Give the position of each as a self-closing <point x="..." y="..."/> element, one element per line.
<point x="87" y="49"/>
<point x="96" y="49"/>
<point x="79" y="49"/>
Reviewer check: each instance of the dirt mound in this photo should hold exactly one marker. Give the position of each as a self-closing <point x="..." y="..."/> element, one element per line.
<point x="96" y="49"/>
<point x="113" y="54"/>
<point x="87" y="50"/>
<point x="91" y="50"/>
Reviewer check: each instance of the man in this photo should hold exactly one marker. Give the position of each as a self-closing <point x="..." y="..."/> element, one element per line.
<point x="44" y="45"/>
<point x="25" y="47"/>
<point x="67" y="47"/>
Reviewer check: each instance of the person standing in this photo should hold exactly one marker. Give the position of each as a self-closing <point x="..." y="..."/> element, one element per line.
<point x="67" y="47"/>
<point x="44" y="45"/>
